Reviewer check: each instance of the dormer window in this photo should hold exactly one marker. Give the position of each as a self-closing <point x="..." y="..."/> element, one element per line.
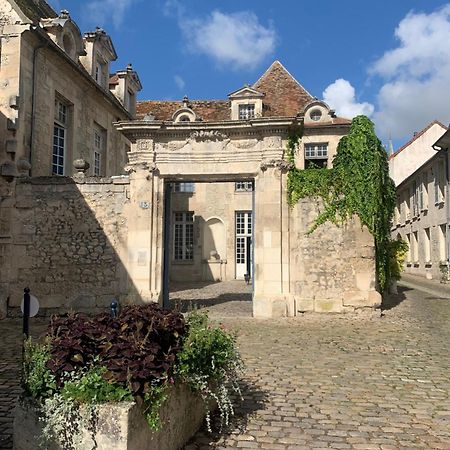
<point x="246" y="103"/>
<point x="247" y="111"/>
<point x="185" y="113"/>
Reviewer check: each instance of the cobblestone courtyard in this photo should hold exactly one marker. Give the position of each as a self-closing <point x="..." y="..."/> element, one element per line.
<point x="360" y="382"/>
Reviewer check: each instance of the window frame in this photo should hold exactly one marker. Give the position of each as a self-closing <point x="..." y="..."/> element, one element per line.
<point x="186" y="187"/>
<point x="243" y="186"/>
<point x="316" y="151"/>
<point x="246" y="111"/>
<point x="183" y="236"/>
<point x="99" y="150"/>
<point x="60" y="136"/>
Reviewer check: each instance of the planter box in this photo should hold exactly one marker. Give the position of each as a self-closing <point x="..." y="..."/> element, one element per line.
<point x="122" y="426"/>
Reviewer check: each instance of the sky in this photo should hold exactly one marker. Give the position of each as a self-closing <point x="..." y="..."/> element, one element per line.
<point x="389" y="60"/>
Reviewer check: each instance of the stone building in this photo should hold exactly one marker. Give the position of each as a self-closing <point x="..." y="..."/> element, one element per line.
<point x="242" y="141"/>
<point x="421" y="217"/>
<point x="58" y="104"/>
<point x="203" y="198"/>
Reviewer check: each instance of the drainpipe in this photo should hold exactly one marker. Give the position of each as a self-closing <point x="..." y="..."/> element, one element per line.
<point x="33" y="102"/>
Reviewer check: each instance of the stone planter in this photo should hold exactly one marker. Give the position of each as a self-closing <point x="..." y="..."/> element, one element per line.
<point x="122" y="426"/>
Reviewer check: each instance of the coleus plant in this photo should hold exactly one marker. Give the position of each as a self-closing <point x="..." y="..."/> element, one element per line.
<point x="138" y="348"/>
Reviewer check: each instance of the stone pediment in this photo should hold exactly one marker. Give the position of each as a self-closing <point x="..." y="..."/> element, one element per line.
<point x="246" y="92"/>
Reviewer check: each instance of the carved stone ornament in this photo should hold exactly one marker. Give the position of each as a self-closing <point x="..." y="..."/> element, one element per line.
<point x="23" y="166"/>
<point x="141" y="165"/>
<point x="280" y="164"/>
<point x="81" y="166"/>
<point x="209" y="135"/>
<point x="245" y="143"/>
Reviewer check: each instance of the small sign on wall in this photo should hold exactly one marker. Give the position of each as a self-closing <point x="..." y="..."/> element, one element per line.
<point x="144" y="205"/>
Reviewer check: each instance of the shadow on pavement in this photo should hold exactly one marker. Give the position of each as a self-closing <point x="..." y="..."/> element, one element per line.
<point x="390" y="301"/>
<point x="188" y="305"/>
<point x="254" y="399"/>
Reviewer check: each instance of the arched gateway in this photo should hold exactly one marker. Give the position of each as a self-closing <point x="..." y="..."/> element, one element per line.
<point x="245" y="138"/>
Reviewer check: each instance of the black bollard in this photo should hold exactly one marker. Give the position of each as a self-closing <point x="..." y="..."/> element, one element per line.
<point x="114" y="308"/>
<point x="26" y="312"/>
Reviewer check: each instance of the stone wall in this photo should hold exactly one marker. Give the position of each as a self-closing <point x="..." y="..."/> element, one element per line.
<point x="333" y="268"/>
<point x="69" y="241"/>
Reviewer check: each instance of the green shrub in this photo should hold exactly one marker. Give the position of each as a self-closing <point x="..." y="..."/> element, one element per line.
<point x="210" y="363"/>
<point x="37" y="380"/>
<point x="397" y="250"/>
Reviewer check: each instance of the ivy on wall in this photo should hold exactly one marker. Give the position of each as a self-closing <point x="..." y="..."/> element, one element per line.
<point x="358" y="183"/>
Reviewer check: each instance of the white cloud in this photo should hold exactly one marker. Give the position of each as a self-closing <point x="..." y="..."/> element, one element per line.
<point x="237" y="40"/>
<point x="179" y="82"/>
<point x="100" y="12"/>
<point x="416" y="75"/>
<point x="340" y="95"/>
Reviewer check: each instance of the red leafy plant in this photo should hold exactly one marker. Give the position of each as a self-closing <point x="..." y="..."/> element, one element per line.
<point x="138" y="348"/>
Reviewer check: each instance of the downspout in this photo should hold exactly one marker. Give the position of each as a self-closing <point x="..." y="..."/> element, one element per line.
<point x="33" y="102"/>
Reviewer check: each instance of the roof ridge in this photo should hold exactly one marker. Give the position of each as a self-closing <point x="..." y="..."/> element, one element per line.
<point x="277" y="62"/>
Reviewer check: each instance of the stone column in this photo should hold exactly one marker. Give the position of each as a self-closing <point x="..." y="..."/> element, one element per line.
<point x="271" y="242"/>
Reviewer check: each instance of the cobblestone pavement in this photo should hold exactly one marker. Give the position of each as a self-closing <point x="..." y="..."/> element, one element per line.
<point x="318" y="381"/>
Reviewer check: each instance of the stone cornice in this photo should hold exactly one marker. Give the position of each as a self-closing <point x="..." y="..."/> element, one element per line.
<point x="135" y="129"/>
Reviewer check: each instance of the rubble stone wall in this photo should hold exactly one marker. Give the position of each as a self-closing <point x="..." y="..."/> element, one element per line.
<point x="333" y="268"/>
<point x="69" y="240"/>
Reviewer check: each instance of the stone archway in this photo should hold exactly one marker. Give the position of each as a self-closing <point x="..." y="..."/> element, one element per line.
<point x="224" y="152"/>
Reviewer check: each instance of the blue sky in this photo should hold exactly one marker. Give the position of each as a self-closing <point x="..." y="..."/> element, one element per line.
<point x="387" y="59"/>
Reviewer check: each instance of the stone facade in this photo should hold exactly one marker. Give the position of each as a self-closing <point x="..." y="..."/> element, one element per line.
<point x="80" y="241"/>
<point x="56" y="107"/>
<point x="422" y="211"/>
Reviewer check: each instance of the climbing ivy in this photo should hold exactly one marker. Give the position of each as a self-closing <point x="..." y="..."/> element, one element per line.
<point x="358" y="183"/>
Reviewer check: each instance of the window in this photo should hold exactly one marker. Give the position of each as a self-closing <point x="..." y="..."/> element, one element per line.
<point x="243" y="186"/>
<point x="183" y="242"/>
<point x="316" y="115"/>
<point x="188" y="186"/>
<point x="415" y="198"/>
<point x="441" y="240"/>
<point x="246" y="111"/>
<point x="408" y="255"/>
<point x="426" y="244"/>
<point x="100" y="72"/>
<point x="316" y="155"/>
<point x="423" y="200"/>
<point x="415" y="247"/>
<point x="397" y="211"/>
<point x="99" y="150"/>
<point x="59" y="137"/>
<point x="439" y="176"/>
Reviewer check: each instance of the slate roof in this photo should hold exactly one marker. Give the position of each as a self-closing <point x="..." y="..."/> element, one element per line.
<point x="284" y="97"/>
<point x="36" y="10"/>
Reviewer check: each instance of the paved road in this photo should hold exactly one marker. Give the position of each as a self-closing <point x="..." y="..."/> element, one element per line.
<point x="357" y="382"/>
